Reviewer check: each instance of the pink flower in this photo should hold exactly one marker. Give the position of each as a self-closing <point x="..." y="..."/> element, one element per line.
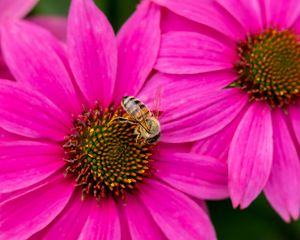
<point x="12" y="9"/>
<point x="15" y="8"/>
<point x="19" y="8"/>
<point x="245" y="56"/>
<point x="60" y="107"/>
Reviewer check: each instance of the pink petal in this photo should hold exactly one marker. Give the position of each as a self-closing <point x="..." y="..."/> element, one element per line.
<point x="206" y="12"/>
<point x="294" y="114"/>
<point x="217" y="145"/>
<point x="169" y="147"/>
<point x="205" y="116"/>
<point x="7" y="136"/>
<point x="24" y="163"/>
<point x="248" y="13"/>
<point x="15" y="8"/>
<point x="4" y="71"/>
<point x="92" y="51"/>
<point x="202" y="204"/>
<point x="27" y="214"/>
<point x="200" y="176"/>
<point x="69" y="223"/>
<point x="125" y="233"/>
<point x="283" y="187"/>
<point x="168" y="87"/>
<point x="27" y="113"/>
<point x="190" y="52"/>
<point x="102" y="222"/>
<point x="250" y="155"/>
<point x="173" y="22"/>
<point x="296" y="26"/>
<point x="23" y="43"/>
<point x="57" y="25"/>
<point x="141" y="225"/>
<point x="177" y="215"/>
<point x="170" y="21"/>
<point x="281" y="13"/>
<point x="8" y="196"/>
<point x="138" y="44"/>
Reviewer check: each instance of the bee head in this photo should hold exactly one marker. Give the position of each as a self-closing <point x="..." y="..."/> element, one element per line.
<point x="153" y="139"/>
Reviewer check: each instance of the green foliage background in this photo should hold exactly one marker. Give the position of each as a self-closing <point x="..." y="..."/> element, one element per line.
<point x="259" y="221"/>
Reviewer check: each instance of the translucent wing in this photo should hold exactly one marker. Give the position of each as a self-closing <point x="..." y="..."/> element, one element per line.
<point x="157" y="99"/>
<point x="142" y="120"/>
<point x="155" y="110"/>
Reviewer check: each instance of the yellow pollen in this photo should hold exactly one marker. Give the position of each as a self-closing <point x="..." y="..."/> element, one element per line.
<point x="269" y="67"/>
<point x="104" y="155"/>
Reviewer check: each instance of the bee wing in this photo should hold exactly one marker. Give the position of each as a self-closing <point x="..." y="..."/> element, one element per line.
<point x="143" y="123"/>
<point x="157" y="99"/>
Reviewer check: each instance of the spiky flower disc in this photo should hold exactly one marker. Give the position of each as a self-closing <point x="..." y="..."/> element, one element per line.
<point x="104" y="154"/>
<point x="269" y="67"/>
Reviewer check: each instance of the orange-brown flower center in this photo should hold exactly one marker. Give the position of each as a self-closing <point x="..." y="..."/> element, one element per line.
<point x="104" y="155"/>
<point x="269" y="67"/>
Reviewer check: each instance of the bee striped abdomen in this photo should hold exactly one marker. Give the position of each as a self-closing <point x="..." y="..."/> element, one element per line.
<point x="147" y="126"/>
<point x="135" y="108"/>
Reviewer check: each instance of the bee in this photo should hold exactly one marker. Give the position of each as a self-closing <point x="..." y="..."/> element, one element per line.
<point x="147" y="125"/>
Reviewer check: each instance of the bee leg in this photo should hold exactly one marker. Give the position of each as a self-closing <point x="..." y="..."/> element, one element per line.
<point x="137" y="133"/>
<point x="131" y="122"/>
<point x="125" y="120"/>
<point x="137" y="138"/>
<point x="122" y="120"/>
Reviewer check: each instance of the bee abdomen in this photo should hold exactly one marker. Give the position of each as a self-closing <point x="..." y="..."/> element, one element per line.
<point x="134" y="107"/>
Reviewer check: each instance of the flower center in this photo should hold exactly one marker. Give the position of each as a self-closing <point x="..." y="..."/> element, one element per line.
<point x="269" y="67"/>
<point x="104" y="155"/>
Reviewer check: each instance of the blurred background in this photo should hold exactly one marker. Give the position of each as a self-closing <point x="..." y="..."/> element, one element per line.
<point x="259" y="221"/>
